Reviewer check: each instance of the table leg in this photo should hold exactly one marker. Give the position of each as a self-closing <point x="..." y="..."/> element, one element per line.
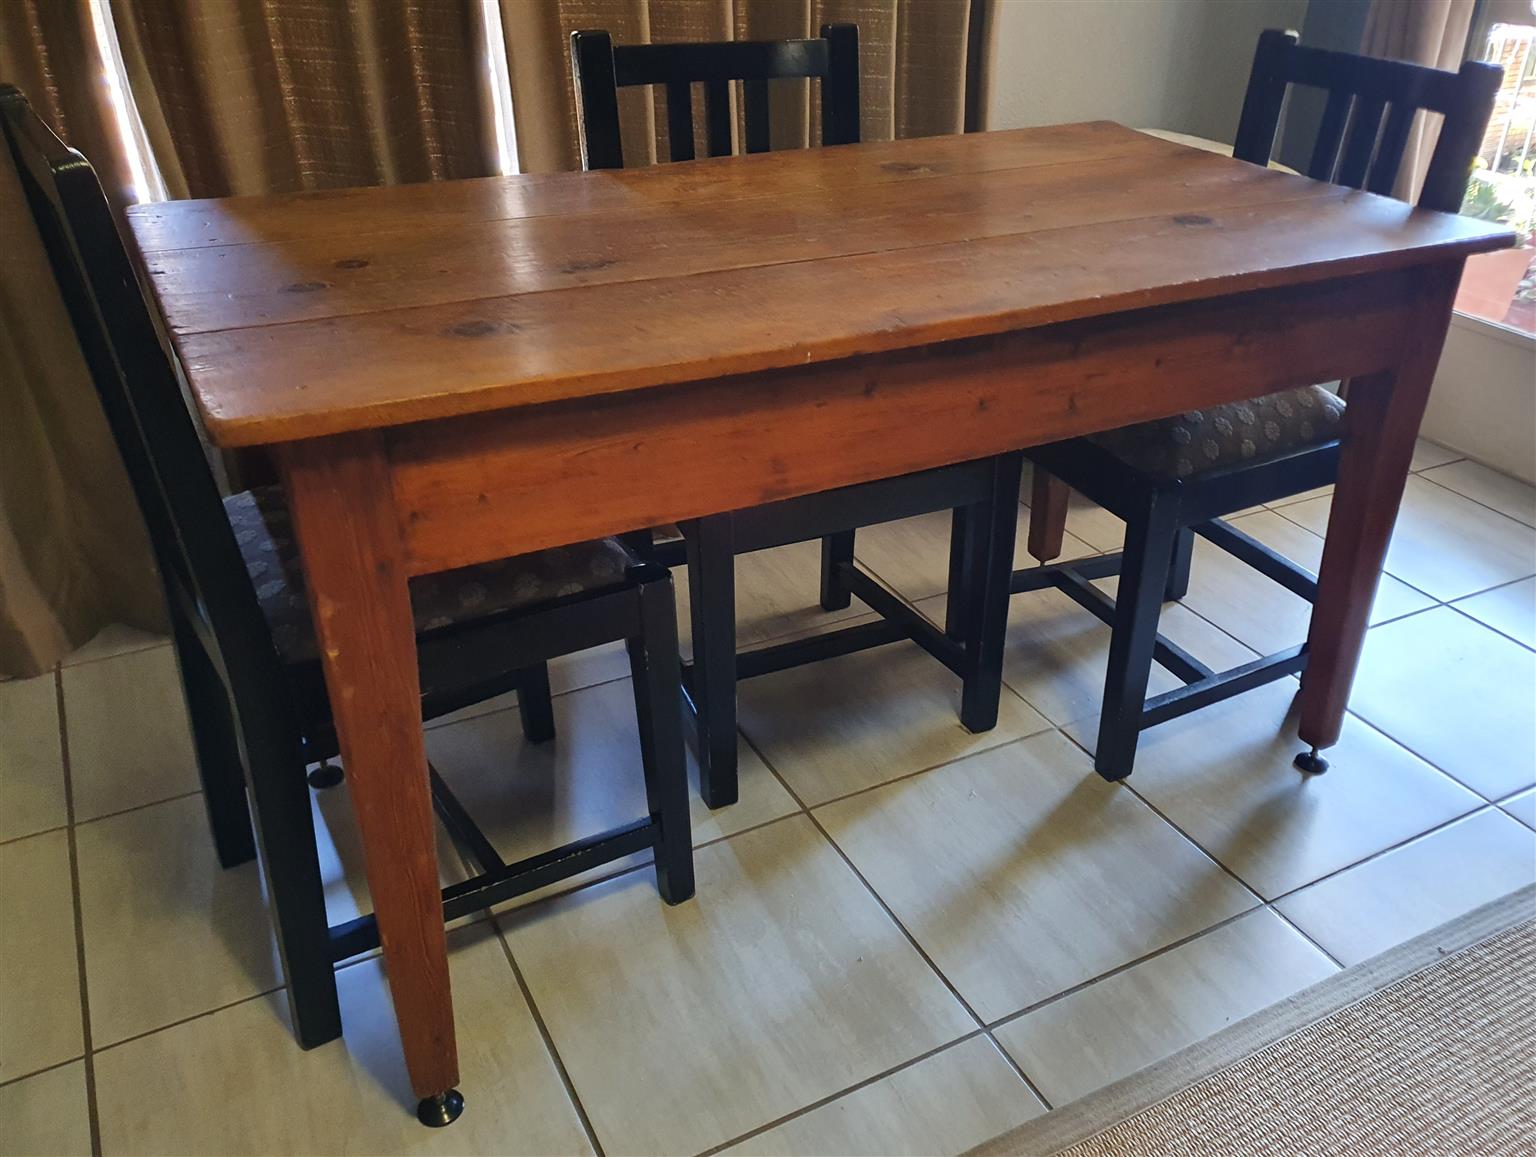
<point x="1381" y="424"/>
<point x="341" y="499"/>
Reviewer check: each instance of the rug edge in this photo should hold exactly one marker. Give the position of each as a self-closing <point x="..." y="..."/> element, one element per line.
<point x="1146" y="1087"/>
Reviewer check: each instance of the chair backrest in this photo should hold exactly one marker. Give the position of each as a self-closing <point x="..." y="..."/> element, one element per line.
<point x="1353" y="147"/>
<point x="601" y="69"/>
<point x="207" y="586"/>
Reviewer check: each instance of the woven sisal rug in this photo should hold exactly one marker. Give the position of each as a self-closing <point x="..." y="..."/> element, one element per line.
<point x="1427" y="1049"/>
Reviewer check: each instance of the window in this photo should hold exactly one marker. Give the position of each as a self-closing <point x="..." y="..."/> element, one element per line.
<point x="1501" y="287"/>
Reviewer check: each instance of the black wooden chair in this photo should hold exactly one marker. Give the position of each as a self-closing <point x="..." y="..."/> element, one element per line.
<point x="1174" y="478"/>
<point x="249" y="664"/>
<point x="983" y="495"/>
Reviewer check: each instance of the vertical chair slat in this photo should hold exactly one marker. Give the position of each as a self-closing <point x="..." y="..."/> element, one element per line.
<point x="1364" y="128"/>
<point x="717" y="117"/>
<point x="754" y="95"/>
<point x="1389" y="153"/>
<point x="680" y="120"/>
<point x="1330" y="134"/>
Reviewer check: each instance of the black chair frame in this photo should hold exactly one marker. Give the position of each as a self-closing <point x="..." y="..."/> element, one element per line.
<point x="257" y="722"/>
<point x="982" y="495"/>
<point x="1162" y="516"/>
<point x="601" y="69"/>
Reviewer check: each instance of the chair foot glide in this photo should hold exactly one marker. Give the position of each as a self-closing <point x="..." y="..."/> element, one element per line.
<point x="443" y="1109"/>
<point x="1310" y="762"/>
<point x="328" y="774"/>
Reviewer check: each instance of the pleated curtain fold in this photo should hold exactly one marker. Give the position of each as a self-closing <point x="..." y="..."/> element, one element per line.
<point x="1432" y="32"/>
<point x="912" y="63"/>
<point x="256" y="96"/>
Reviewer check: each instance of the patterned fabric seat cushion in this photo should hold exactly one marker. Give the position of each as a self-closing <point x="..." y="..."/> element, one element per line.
<point x="1190" y="444"/>
<point x="265" y="534"/>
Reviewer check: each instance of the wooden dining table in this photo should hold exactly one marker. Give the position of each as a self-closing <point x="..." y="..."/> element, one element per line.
<point x="452" y="373"/>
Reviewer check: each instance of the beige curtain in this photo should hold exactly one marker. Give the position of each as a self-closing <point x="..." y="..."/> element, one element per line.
<point x="255" y="96"/>
<point x="48" y="50"/>
<point x="1432" y="32"/>
<point x="73" y="552"/>
<point x="912" y="66"/>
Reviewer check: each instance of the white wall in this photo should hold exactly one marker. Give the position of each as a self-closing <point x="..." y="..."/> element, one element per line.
<point x="1484" y="400"/>
<point x="1168" y="64"/>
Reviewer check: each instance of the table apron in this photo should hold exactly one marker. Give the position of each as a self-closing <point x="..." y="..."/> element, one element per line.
<point x="488" y="486"/>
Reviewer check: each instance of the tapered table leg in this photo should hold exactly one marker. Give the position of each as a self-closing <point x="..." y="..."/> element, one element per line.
<point x="341" y="499"/>
<point x="1380" y="426"/>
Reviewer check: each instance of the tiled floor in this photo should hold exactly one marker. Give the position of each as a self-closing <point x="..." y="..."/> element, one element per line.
<point x="906" y="938"/>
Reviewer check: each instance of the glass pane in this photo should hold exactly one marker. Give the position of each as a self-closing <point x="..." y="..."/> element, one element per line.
<point x="1501" y="287"/>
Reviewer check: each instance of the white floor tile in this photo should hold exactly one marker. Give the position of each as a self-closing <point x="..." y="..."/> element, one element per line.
<point x="129" y="739"/>
<point x="187" y="936"/>
<point x="31" y="759"/>
<point x="1427" y="455"/>
<point x="530" y="798"/>
<point x="46" y="1115"/>
<point x="1522" y="807"/>
<point x="114" y="639"/>
<point x="1224" y="776"/>
<point x="1261" y="613"/>
<point x="1111" y="1028"/>
<point x="39" y="973"/>
<point x="1456" y="693"/>
<point x="1057" y="652"/>
<point x="946" y="1103"/>
<point x="1509" y="609"/>
<point x="1445" y="545"/>
<point x="190" y="936"/>
<point x="992" y="863"/>
<point x="236" y="1082"/>
<point x="1475" y="481"/>
<point x="781" y="983"/>
<point x="1417" y="887"/>
<point x="911" y="555"/>
<point x="845" y="724"/>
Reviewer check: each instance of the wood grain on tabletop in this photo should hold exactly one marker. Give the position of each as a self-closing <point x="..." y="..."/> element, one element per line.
<point x="308" y="337"/>
<point x="485" y="485"/>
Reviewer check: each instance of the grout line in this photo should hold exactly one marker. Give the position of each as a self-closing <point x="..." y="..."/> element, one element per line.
<point x="64" y="827"/>
<point x="1018" y="1068"/>
<point x="179" y="1021"/>
<point x="1477" y="502"/>
<point x="549" y="1040"/>
<point x="1018" y="1014"/>
<point x="1482" y="807"/>
<point x="1489" y="626"/>
<point x="136" y="649"/>
<point x="138" y="807"/>
<point x="27" y="1076"/>
<point x="906" y="775"/>
<point x="841" y="1093"/>
<point x="911" y="939"/>
<point x="92" y="1113"/>
<point x="1305" y="935"/>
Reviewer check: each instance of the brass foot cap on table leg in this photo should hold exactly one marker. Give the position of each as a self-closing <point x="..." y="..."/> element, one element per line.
<point x="443" y="1109"/>
<point x="1310" y="762"/>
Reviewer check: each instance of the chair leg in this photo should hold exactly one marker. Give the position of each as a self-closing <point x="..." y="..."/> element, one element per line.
<point x="1048" y="498"/>
<point x="654" y="665"/>
<point x="1149" y="544"/>
<point x="835" y="548"/>
<point x="219" y="765"/>
<point x="534" y="706"/>
<point x="295" y="894"/>
<point x="959" y="593"/>
<point x="1178" y="566"/>
<point x="712" y="594"/>
<point x="997" y="522"/>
